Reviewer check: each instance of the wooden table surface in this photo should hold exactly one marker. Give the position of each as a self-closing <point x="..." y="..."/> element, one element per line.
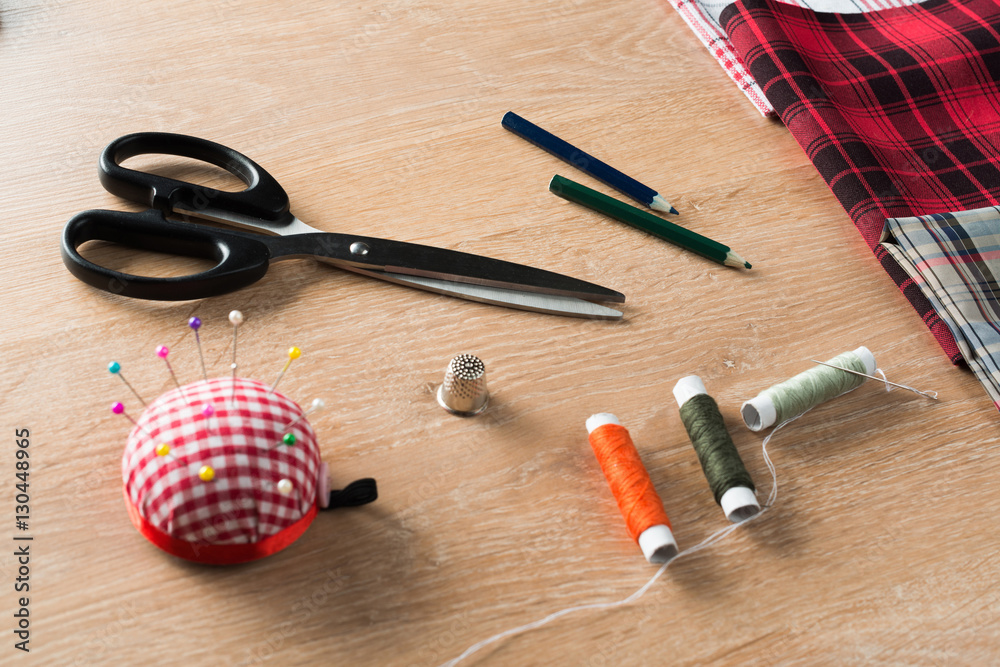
<point x="384" y="119"/>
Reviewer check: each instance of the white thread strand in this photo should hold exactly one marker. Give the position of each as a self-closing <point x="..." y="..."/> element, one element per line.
<point x="707" y="542"/>
<point x="714" y="538"/>
<point x="888" y="386"/>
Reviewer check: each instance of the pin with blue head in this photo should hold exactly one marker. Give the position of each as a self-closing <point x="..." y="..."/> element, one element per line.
<point x="116" y="369"/>
<point x="195" y="324"/>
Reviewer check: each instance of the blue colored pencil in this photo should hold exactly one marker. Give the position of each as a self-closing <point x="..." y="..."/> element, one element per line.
<point x="586" y="163"/>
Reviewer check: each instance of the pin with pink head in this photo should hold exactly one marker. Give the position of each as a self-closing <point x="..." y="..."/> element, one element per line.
<point x="119" y="409"/>
<point x="162" y="351"/>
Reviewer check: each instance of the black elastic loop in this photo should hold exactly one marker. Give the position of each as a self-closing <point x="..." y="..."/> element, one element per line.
<point x="358" y="492"/>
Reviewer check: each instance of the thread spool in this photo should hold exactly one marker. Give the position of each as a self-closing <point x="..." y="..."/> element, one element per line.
<point x="632" y="488"/>
<point x="720" y="461"/>
<point x="807" y="390"/>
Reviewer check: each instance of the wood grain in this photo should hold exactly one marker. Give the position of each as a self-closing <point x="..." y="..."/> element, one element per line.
<point x="384" y="119"/>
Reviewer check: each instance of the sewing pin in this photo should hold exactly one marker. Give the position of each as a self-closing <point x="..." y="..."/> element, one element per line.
<point x="236" y="317"/>
<point x="288" y="440"/>
<point x="931" y="395"/>
<point x="116" y="369"/>
<point x="119" y="409"/>
<point x="317" y="404"/>
<point x="195" y="324"/>
<point x="162" y="351"/>
<point x="207" y="411"/>
<point x="293" y="354"/>
<point x="285" y="487"/>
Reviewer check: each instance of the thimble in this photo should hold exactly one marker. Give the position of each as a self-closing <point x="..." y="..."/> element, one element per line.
<point x="464" y="390"/>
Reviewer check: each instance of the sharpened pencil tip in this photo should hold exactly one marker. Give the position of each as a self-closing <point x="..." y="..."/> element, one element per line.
<point x="735" y="261"/>
<point x="674" y="211"/>
<point x="660" y="204"/>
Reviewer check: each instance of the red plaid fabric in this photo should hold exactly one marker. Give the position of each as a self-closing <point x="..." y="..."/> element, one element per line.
<point x="899" y="110"/>
<point x="702" y="16"/>
<point x="242" y="442"/>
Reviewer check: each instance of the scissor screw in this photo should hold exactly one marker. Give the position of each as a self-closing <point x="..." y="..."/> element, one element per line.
<point x="359" y="248"/>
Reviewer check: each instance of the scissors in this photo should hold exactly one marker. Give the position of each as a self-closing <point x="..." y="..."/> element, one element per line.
<point x="267" y="231"/>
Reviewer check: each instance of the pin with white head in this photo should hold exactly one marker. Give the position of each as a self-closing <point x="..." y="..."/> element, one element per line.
<point x="195" y="324"/>
<point x="116" y="369"/>
<point x="236" y="318"/>
<point x="289" y="439"/>
<point x="317" y="404"/>
<point x="293" y="354"/>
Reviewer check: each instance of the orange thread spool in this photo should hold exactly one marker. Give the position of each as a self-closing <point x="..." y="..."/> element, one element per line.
<point x="632" y="488"/>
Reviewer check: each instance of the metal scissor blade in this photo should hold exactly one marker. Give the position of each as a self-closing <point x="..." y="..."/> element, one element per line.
<point x="411" y="259"/>
<point x="533" y="301"/>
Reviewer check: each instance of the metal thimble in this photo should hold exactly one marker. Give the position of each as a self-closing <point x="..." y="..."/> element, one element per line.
<point x="464" y="390"/>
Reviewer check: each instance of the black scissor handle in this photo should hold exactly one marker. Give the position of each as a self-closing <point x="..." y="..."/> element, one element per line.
<point x="264" y="197"/>
<point x="242" y="258"/>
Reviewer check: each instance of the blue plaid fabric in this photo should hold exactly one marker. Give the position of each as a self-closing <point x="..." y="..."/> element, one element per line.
<point x="954" y="258"/>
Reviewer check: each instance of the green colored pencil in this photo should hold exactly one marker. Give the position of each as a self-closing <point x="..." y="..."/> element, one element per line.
<point x="647" y="222"/>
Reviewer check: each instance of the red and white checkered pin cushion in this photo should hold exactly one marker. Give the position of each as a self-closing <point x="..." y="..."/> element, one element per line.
<point x="242" y="442"/>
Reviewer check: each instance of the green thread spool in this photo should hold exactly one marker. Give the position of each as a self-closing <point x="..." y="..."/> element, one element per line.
<point x="720" y="461"/>
<point x="806" y="390"/>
